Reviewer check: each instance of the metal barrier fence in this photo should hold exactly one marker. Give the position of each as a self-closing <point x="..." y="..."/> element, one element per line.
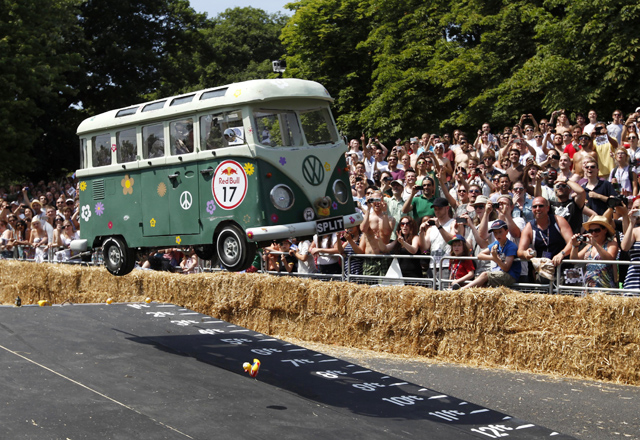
<point x="582" y="289"/>
<point x="438" y="279"/>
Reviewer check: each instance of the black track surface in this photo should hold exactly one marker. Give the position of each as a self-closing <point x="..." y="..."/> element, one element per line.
<point x="157" y="371"/>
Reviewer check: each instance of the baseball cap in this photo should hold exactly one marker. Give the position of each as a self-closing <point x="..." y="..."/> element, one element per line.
<point x="481" y="200"/>
<point x="399" y="182"/>
<point x="457" y="237"/>
<point x="440" y="202"/>
<point x="498" y="224"/>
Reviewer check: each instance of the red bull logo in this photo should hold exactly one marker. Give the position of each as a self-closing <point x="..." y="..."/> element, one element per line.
<point x="229" y="171"/>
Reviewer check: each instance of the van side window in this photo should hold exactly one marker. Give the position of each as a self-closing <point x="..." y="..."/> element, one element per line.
<point x="181" y="133"/>
<point x="101" y="150"/>
<point x="212" y="128"/>
<point x="153" y="141"/>
<point x="127" y="145"/>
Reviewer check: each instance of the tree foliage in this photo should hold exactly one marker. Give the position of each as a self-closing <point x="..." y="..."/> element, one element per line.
<point x="35" y="60"/>
<point x="441" y="64"/>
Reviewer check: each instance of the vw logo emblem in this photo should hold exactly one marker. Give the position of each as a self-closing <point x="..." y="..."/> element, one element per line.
<point x="312" y="170"/>
<point x="186" y="200"/>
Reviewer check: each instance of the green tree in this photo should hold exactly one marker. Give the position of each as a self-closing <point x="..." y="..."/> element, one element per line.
<point x="36" y="62"/>
<point x="324" y="40"/>
<point x="239" y="45"/>
<point x="136" y="49"/>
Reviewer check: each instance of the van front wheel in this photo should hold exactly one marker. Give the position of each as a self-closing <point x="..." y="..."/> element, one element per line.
<point x="232" y="247"/>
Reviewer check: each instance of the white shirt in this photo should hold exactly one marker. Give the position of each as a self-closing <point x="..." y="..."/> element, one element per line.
<point x="308" y="265"/>
<point x="439" y="247"/>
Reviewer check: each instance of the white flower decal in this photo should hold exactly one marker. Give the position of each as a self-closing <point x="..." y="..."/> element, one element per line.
<point x="86" y="213"/>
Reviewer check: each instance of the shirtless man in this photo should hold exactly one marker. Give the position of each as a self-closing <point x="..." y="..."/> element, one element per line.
<point x="376" y="218"/>
<point x="463" y="154"/>
<point x="586" y="150"/>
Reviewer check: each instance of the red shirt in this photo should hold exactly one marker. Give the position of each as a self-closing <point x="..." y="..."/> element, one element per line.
<point x="459" y="268"/>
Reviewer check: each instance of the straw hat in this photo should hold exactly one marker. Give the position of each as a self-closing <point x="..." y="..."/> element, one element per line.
<point x="599" y="220"/>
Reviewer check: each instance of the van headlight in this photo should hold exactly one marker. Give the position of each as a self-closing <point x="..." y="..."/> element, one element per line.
<point x="282" y="197"/>
<point x="341" y="192"/>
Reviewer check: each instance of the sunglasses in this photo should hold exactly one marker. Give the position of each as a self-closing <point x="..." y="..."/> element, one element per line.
<point x="538" y="136"/>
<point x="478" y="206"/>
<point x="462" y="190"/>
<point x="590" y="167"/>
<point x="554" y="157"/>
<point x="566" y="135"/>
<point x="562" y="186"/>
<point x="421" y="162"/>
<point x="518" y="189"/>
<point x="632" y="138"/>
<point x="474" y="191"/>
<point x="537" y="207"/>
<point x="594" y="231"/>
<point x="404" y="223"/>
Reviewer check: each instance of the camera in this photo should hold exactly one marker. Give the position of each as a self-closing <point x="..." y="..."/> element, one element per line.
<point x="461" y="220"/>
<point x="374" y="200"/>
<point x="612" y="202"/>
<point x="387" y="179"/>
<point x="496" y="205"/>
<point x="545" y="174"/>
<point x="431" y="222"/>
<point x="597" y="130"/>
<point x="279" y="66"/>
<point x="478" y="170"/>
<point x="581" y="238"/>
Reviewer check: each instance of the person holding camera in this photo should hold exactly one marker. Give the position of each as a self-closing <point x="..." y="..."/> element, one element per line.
<point x="599" y="191"/>
<point x="605" y="147"/>
<point x="623" y="176"/>
<point x="601" y="246"/>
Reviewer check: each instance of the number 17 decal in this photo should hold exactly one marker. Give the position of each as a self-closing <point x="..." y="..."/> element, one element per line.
<point x="229" y="184"/>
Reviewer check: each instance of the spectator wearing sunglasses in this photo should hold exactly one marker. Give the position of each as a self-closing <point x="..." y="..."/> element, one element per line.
<point x="598" y="190"/>
<point x="570" y="201"/>
<point x="549" y="235"/>
<point x="615" y="128"/>
<point x="634" y="153"/>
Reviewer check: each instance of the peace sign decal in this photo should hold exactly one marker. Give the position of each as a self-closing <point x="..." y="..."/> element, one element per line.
<point x="186" y="200"/>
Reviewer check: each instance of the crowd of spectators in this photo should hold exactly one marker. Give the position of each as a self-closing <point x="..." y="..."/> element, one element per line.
<point x="518" y="199"/>
<point x="38" y="221"/>
<point x="521" y="200"/>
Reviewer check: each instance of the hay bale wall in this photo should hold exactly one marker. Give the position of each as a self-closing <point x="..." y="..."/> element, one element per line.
<point x="596" y="337"/>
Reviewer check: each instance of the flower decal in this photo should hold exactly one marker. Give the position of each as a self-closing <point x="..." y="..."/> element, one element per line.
<point x="127" y="185"/>
<point x="283" y="161"/>
<point x="162" y="189"/>
<point x="152" y="222"/>
<point x="110" y="225"/>
<point x="274" y="218"/>
<point x="334" y="205"/>
<point x="352" y="220"/>
<point x="99" y="209"/>
<point x="83" y="186"/>
<point x="85" y="213"/>
<point x="246" y="218"/>
<point x="249" y="169"/>
<point x="211" y="207"/>
<point x="178" y="240"/>
<point x="237" y="93"/>
<point x="114" y="147"/>
<point x="327" y="166"/>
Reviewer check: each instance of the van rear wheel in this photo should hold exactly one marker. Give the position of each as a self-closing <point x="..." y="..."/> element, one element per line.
<point x="119" y="259"/>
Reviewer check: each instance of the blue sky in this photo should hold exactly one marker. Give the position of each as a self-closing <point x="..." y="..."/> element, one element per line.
<point x="214" y="7"/>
